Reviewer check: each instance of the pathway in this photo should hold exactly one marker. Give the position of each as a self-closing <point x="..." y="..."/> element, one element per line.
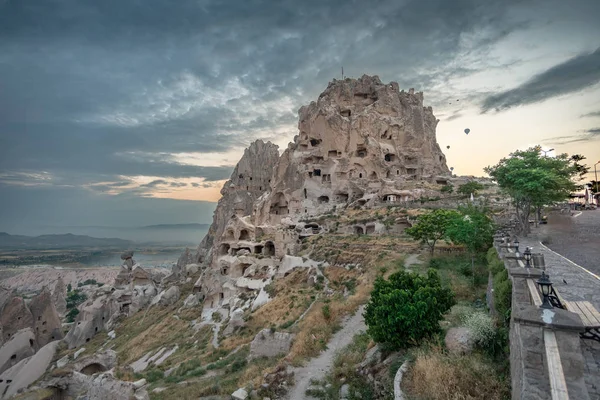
<point x="318" y="367"/>
<point x="574" y="282"/>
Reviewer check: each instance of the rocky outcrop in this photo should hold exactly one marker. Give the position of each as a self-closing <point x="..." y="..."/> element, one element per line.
<point x="20" y="346"/>
<point x="269" y="344"/>
<point x="15" y="316"/>
<point x="94" y="316"/>
<point x="46" y="322"/>
<point x="250" y="179"/>
<point x="59" y="296"/>
<point x="167" y="297"/>
<point x="27" y="371"/>
<point x="363" y="143"/>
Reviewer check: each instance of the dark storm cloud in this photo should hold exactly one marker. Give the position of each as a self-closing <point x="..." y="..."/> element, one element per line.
<point x="591" y="114"/>
<point x="155" y="183"/>
<point x="587" y="135"/>
<point x="570" y="76"/>
<point x="87" y="84"/>
<point x="178" y="184"/>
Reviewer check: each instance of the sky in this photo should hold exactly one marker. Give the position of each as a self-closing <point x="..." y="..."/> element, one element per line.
<point x="131" y="113"/>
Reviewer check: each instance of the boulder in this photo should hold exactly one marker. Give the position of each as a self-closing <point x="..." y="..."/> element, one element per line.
<point x="459" y="340"/>
<point x="239" y="394"/>
<point x="126" y="255"/>
<point x="269" y="344"/>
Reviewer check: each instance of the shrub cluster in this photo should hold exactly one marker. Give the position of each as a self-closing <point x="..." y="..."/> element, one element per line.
<point x="406" y="308"/>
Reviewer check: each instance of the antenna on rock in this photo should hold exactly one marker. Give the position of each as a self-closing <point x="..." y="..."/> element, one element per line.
<point x="342" y="73"/>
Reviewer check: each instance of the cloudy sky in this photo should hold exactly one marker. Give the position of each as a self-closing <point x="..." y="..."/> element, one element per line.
<point x="134" y="112"/>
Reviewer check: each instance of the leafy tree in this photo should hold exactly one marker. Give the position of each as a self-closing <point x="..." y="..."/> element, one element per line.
<point x="406" y="308"/>
<point x="472" y="228"/>
<point x="69" y="288"/>
<point x="534" y="181"/>
<point x="431" y="226"/>
<point x="581" y="169"/>
<point x="75" y="298"/>
<point x="470" y="187"/>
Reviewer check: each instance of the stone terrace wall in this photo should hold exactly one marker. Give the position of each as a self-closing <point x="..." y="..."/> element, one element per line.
<point x="528" y="350"/>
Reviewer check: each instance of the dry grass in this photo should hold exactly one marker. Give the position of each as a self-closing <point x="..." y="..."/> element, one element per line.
<point x="292" y="299"/>
<point x="438" y="376"/>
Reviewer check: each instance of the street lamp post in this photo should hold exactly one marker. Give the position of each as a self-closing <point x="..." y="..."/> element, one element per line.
<point x="546" y="152"/>
<point x="596" y="183"/>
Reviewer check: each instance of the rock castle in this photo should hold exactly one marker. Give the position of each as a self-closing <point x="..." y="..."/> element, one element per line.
<point x="362" y="143"/>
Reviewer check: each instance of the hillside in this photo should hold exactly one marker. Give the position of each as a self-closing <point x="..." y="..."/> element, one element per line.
<point x="59" y="241"/>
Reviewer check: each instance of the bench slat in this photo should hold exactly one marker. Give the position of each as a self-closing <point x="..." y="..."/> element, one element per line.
<point x="573" y="306"/>
<point x="590" y="312"/>
<point x="535" y="295"/>
<point x="558" y="384"/>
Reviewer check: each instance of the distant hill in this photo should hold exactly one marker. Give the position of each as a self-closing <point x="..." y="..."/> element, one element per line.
<point x="61" y="241"/>
<point x="176" y="226"/>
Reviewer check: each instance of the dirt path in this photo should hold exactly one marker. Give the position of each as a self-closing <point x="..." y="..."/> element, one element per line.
<point x="319" y="366"/>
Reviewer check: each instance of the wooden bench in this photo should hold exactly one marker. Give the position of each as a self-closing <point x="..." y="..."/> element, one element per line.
<point x="589" y="316"/>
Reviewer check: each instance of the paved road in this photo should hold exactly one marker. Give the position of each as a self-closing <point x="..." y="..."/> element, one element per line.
<point x="577" y="238"/>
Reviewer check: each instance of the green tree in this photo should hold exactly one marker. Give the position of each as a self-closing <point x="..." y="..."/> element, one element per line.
<point x="469" y="187"/>
<point x="406" y="308"/>
<point x="69" y="288"/>
<point x="581" y="169"/>
<point x="534" y="181"/>
<point x="472" y="228"/>
<point x="431" y="227"/>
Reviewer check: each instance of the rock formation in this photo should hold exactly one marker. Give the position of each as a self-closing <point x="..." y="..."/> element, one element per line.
<point x="95" y="315"/>
<point x="15" y="316"/>
<point x="59" y="296"/>
<point x="20" y="346"/>
<point x="26" y="371"/>
<point x="363" y="143"/>
<point x="250" y="179"/>
<point x="46" y="322"/>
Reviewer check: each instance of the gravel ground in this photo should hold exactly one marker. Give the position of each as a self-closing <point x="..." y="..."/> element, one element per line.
<point x="577" y="238"/>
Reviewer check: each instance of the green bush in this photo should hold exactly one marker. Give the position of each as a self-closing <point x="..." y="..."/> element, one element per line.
<point x="72" y="314"/>
<point x="326" y="312"/>
<point x="482" y="328"/>
<point x="216" y="316"/>
<point x="406" y="308"/>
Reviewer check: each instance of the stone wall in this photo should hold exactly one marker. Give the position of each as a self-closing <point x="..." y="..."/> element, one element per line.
<point x="530" y="375"/>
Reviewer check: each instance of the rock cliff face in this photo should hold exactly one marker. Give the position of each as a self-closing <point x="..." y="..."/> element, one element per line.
<point x="362" y="143"/>
<point x="250" y="179"/>
<point x="361" y="139"/>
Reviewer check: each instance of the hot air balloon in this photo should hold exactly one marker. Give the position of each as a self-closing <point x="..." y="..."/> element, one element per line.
<point x="467" y="131"/>
<point x="447" y="147"/>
